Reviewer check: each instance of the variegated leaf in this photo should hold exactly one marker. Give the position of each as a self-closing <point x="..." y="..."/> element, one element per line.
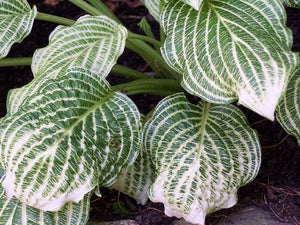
<point x="16" y="20"/>
<point x="202" y="154"/>
<point x="93" y="42"/>
<point x="153" y="7"/>
<point x="136" y="179"/>
<point x="292" y="3"/>
<point x="74" y="134"/>
<point x="288" y="110"/>
<point x="14" y="212"/>
<point x="194" y="3"/>
<point x="230" y="50"/>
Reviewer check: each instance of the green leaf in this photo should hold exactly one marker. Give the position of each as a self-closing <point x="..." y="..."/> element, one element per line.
<point x="292" y="3"/>
<point x="93" y="42"/>
<point x="194" y="3"/>
<point x="136" y="179"/>
<point x="154" y="8"/>
<point x="16" y="20"/>
<point x="13" y="212"/>
<point x="202" y="154"/>
<point x="230" y="50"/>
<point x="288" y="110"/>
<point x="75" y="133"/>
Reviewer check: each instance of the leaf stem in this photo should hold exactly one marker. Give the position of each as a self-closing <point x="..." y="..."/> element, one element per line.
<point x="98" y="4"/>
<point x="54" y="19"/>
<point x="144" y="38"/>
<point x="87" y="7"/>
<point x="26" y="61"/>
<point x="128" y="73"/>
<point x="163" y="87"/>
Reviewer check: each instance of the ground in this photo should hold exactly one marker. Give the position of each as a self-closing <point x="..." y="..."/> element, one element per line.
<point x="277" y="186"/>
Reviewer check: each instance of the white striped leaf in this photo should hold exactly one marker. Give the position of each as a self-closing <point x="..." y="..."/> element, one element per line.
<point x="93" y="42"/>
<point x="153" y="7"/>
<point x="14" y="212"/>
<point x="292" y="3"/>
<point x="136" y="179"/>
<point x="288" y="110"/>
<point x="230" y="50"/>
<point x="194" y="3"/>
<point x="16" y="20"/>
<point x="75" y="133"/>
<point x="202" y="154"/>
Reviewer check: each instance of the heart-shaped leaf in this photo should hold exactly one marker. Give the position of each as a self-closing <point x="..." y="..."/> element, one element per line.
<point x="16" y="20"/>
<point x="230" y="50"/>
<point x="93" y="42"/>
<point x="154" y="8"/>
<point x="202" y="154"/>
<point x="288" y="110"/>
<point x="13" y="212"/>
<point x="74" y="134"/>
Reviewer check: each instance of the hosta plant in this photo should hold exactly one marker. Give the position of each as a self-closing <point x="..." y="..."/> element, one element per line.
<point x="69" y="132"/>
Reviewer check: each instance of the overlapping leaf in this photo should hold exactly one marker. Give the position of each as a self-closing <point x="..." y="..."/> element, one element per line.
<point x="194" y="3"/>
<point x="202" y="154"/>
<point x="288" y="110"/>
<point x="93" y="42"/>
<point x="292" y="3"/>
<point x="136" y="179"/>
<point x="13" y="212"/>
<point x="154" y="8"/>
<point x="16" y="20"/>
<point x="230" y="50"/>
<point x="74" y="134"/>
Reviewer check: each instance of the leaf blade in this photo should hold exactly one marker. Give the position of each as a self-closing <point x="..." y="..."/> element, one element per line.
<point x="202" y="154"/>
<point x="75" y="129"/>
<point x="16" y="21"/>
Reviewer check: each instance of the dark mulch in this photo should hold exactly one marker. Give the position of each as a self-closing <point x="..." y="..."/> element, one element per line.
<point x="276" y="188"/>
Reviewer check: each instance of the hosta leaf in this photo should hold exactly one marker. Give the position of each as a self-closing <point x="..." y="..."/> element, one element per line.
<point x="230" y="50"/>
<point x="93" y="42"/>
<point x="202" y="154"/>
<point x="288" y="110"/>
<point x="74" y="134"/>
<point x="16" y="20"/>
<point x="194" y="3"/>
<point x="14" y="212"/>
<point x="154" y="8"/>
<point x="136" y="179"/>
<point x="292" y="3"/>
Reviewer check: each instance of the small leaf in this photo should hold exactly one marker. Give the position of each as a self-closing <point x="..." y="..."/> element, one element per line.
<point x="74" y="134"/>
<point x="288" y="110"/>
<point x="13" y="212"/>
<point x="154" y="8"/>
<point x="136" y="179"/>
<point x="16" y="20"/>
<point x="194" y="3"/>
<point x="230" y="50"/>
<point x="292" y="3"/>
<point x="93" y="42"/>
<point x="202" y="154"/>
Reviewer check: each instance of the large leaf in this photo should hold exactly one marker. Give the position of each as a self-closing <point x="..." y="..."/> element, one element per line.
<point x="230" y="50"/>
<point x="16" y="20"/>
<point x="14" y="212"/>
<point x="136" y="179"/>
<point x="202" y="154"/>
<point x="74" y="134"/>
<point x="292" y="3"/>
<point x="93" y="42"/>
<point x="288" y="110"/>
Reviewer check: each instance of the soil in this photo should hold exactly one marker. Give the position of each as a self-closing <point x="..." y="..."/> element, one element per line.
<point x="277" y="186"/>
